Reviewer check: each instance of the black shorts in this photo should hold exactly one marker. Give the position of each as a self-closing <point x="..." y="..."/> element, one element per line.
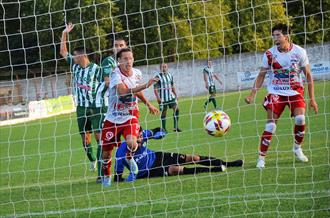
<point x="162" y="162"/>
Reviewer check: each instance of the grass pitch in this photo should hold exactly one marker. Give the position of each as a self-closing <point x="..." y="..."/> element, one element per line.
<point x="44" y="171"/>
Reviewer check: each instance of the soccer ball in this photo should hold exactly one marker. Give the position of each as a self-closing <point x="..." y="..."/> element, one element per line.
<point x="217" y="123"/>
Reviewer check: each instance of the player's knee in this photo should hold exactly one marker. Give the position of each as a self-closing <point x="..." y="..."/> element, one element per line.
<point x="270" y="127"/>
<point x="299" y="120"/>
<point x="106" y="155"/>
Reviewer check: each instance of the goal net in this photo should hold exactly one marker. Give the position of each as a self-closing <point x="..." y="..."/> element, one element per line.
<point x="44" y="168"/>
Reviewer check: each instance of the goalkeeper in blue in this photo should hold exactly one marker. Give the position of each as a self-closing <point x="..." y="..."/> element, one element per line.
<point x="157" y="163"/>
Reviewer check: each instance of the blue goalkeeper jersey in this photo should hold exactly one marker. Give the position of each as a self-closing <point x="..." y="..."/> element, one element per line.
<point x="143" y="156"/>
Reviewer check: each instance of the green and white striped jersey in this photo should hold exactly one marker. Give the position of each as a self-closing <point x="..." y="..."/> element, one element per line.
<point x="210" y="73"/>
<point x="108" y="65"/>
<point x="87" y="83"/>
<point x="164" y="87"/>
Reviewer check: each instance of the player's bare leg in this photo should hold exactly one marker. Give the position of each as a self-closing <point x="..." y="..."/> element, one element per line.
<point x="98" y="157"/>
<point x="86" y="140"/>
<point x="132" y="146"/>
<point x="266" y="137"/>
<point x="299" y="133"/>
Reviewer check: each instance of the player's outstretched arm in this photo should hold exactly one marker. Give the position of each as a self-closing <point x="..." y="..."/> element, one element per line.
<point x="152" y="109"/>
<point x="123" y="90"/>
<point x="257" y="85"/>
<point x="310" y="83"/>
<point x="63" y="47"/>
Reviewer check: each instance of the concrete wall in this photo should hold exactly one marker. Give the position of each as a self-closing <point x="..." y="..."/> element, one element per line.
<point x="187" y="74"/>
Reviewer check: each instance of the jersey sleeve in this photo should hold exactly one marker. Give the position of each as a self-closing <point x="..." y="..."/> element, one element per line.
<point x="69" y="59"/>
<point x="265" y="61"/>
<point x="138" y="76"/>
<point x="108" y="64"/>
<point x="157" y="84"/>
<point x="303" y="59"/>
<point x="172" y="82"/>
<point x="115" y="80"/>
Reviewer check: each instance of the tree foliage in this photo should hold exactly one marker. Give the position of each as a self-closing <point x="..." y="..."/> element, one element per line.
<point x="167" y="30"/>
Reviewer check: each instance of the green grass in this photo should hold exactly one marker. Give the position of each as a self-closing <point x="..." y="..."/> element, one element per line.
<point x="44" y="171"/>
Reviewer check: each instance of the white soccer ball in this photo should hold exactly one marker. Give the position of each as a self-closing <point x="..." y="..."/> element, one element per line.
<point x="217" y="123"/>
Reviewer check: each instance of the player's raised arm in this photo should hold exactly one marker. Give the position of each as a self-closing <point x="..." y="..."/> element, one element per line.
<point x="310" y="84"/>
<point x="257" y="85"/>
<point x="63" y="47"/>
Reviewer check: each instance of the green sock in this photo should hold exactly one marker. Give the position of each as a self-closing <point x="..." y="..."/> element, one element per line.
<point x="89" y="152"/>
<point x="163" y="122"/>
<point x="99" y="159"/>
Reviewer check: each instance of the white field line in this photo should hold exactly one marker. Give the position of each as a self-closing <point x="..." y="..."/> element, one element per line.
<point x="162" y="201"/>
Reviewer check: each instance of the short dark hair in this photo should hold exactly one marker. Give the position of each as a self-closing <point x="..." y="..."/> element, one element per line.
<point x="285" y="29"/>
<point x="80" y="50"/>
<point x="122" y="51"/>
<point x="120" y="39"/>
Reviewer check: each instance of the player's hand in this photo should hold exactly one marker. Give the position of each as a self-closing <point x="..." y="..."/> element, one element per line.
<point x="68" y="28"/>
<point x="153" y="109"/>
<point x="313" y="105"/>
<point x="159" y="101"/>
<point x="207" y="87"/>
<point x="152" y="81"/>
<point x="249" y="99"/>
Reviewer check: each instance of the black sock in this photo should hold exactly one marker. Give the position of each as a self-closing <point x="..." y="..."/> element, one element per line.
<point x="197" y="170"/>
<point x="163" y="118"/>
<point x="210" y="161"/>
<point x="236" y="163"/>
<point x="176" y="119"/>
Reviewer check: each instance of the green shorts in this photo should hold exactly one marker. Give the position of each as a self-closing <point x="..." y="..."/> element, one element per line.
<point x="90" y="118"/>
<point x="212" y="90"/>
<point x="170" y="104"/>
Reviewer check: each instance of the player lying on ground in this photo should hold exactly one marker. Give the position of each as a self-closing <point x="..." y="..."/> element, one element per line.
<point x="285" y="63"/>
<point x="209" y="77"/>
<point x="166" y="96"/>
<point x="123" y="112"/>
<point x="158" y="163"/>
<point x="87" y="80"/>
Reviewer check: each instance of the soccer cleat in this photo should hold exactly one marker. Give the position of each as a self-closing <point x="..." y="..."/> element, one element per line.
<point x="133" y="166"/>
<point x="261" y="163"/>
<point x="131" y="177"/>
<point x="106" y="181"/>
<point x="93" y="166"/>
<point x="223" y="168"/>
<point x="99" y="180"/>
<point x="300" y="155"/>
<point x="177" y="130"/>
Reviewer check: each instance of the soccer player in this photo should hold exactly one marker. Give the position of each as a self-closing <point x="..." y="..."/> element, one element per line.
<point x="87" y="79"/>
<point x="284" y="62"/>
<point x="157" y="163"/>
<point x="209" y="77"/>
<point x="166" y="96"/>
<point x="109" y="63"/>
<point x="123" y="112"/>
